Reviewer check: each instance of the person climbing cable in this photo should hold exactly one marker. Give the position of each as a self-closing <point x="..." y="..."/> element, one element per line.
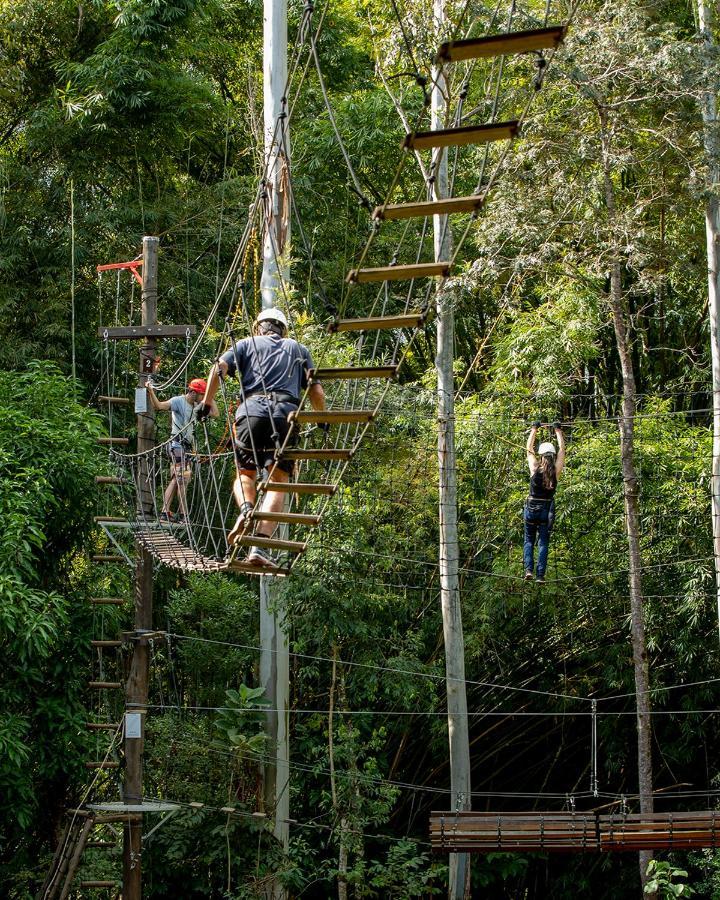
<point x="539" y="511"/>
<point x="182" y="442"/>
<point x="273" y="370"/>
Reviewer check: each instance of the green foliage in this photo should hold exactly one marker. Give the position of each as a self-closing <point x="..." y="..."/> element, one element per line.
<point x="662" y="880"/>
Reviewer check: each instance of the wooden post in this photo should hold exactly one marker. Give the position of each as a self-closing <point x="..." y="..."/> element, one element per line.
<point x="708" y="106"/>
<point x="137" y="685"/>
<point x="458" y="737"/>
<point x="274" y="658"/>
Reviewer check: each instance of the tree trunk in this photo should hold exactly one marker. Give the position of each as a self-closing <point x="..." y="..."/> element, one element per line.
<point x="712" y="230"/>
<point x="631" y="495"/>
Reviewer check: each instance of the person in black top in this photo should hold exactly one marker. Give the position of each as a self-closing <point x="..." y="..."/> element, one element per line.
<point x="539" y="513"/>
<point x="273" y="370"/>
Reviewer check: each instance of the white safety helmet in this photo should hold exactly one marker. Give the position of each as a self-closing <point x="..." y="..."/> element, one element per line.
<point x="545" y="448"/>
<point x="273" y="314"/>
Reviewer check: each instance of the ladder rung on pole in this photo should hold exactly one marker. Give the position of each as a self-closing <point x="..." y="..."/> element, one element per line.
<point x="349" y="373"/>
<point x="259" y="540"/>
<point x="108" y="520"/>
<point x="330" y="454"/>
<point x="288" y="518"/>
<point x="102" y="764"/>
<point x="398" y="273"/>
<point x="108" y="479"/>
<point x="428" y="208"/>
<point x="378" y="323"/>
<point x="107" y="601"/>
<point x="113" y="440"/>
<point x="105" y="685"/>
<point x="297" y="487"/>
<point x="332" y="416"/>
<point x="119" y="401"/>
<point x="106" y="643"/>
<point x="460" y="137"/>
<point x="108" y="557"/>
<point x="500" y="44"/>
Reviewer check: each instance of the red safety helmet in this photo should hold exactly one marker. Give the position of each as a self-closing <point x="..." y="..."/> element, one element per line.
<point x="199" y="385"/>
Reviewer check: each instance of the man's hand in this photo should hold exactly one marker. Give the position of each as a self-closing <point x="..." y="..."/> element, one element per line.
<point x="556" y="426"/>
<point x="203" y="412"/>
<point x="536" y="425"/>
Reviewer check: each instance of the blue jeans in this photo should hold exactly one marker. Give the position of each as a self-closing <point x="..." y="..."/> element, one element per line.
<point x="538" y="521"/>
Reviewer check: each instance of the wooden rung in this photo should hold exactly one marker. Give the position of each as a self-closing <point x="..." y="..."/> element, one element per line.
<point x="378" y="323"/>
<point x="103" y="764"/>
<point x="250" y="569"/>
<point x="105" y="685"/>
<point x="460" y="137"/>
<point x="331" y="416"/>
<point x="288" y="518"/>
<point x="108" y="557"/>
<point x="100" y="520"/>
<point x="101" y="845"/>
<point x="98" y="884"/>
<point x="350" y="373"/>
<point x="108" y="479"/>
<point x="398" y="273"/>
<point x="297" y="487"/>
<point x="113" y="440"/>
<point x="106" y="643"/>
<point x="120" y="401"/>
<point x="428" y="208"/>
<point x="332" y="455"/>
<point x="107" y="601"/>
<point x="257" y="540"/>
<point x="102" y="726"/>
<point x="499" y="44"/>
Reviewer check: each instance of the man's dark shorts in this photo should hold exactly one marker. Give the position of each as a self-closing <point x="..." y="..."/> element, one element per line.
<point x="253" y="439"/>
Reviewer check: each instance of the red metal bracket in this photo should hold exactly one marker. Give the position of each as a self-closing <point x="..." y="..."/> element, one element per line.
<point x="133" y="266"/>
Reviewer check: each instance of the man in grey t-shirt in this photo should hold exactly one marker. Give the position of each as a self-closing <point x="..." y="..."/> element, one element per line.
<point x="182" y="441"/>
<point x="273" y="370"/>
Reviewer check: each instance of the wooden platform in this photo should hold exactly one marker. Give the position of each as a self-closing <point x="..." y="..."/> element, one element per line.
<point x="660" y="831"/>
<point x="546" y="832"/>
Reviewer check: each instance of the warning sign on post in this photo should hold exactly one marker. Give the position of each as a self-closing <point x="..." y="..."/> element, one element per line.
<point x="133" y="725"/>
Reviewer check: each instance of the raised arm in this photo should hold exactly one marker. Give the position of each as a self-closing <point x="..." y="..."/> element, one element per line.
<point x="218" y="371"/>
<point x="530" y="448"/>
<point x="560" y="461"/>
<point x="316" y="395"/>
<point x="159" y="405"/>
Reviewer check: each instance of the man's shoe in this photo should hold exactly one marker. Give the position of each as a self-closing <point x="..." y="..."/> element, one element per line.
<point x="259" y="556"/>
<point x="540" y="579"/>
<point x="528" y="575"/>
<point x="166" y="517"/>
<point x="240" y="522"/>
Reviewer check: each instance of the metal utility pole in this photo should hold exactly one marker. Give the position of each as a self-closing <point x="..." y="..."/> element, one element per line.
<point x="708" y="105"/>
<point x="136" y="692"/>
<point x="275" y="658"/>
<point x="458" y="737"/>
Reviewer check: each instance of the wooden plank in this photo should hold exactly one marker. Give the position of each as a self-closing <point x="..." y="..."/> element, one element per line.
<point x="104" y="685"/>
<point x="447" y="206"/>
<point x="106" y="643"/>
<point x="107" y="441"/>
<point x="332" y="416"/>
<point x="108" y="479"/>
<point x="398" y="273"/>
<point x="258" y="540"/>
<point x="117" y="401"/>
<point x="500" y="44"/>
<point x="102" y="764"/>
<point x="102" y="520"/>
<point x="138" y="332"/>
<point x="378" y="323"/>
<point x="349" y="373"/>
<point x="462" y="136"/>
<point x="331" y="454"/>
<point x="251" y="569"/>
<point x="297" y="487"/>
<point x="288" y="518"/>
<point x="108" y="601"/>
